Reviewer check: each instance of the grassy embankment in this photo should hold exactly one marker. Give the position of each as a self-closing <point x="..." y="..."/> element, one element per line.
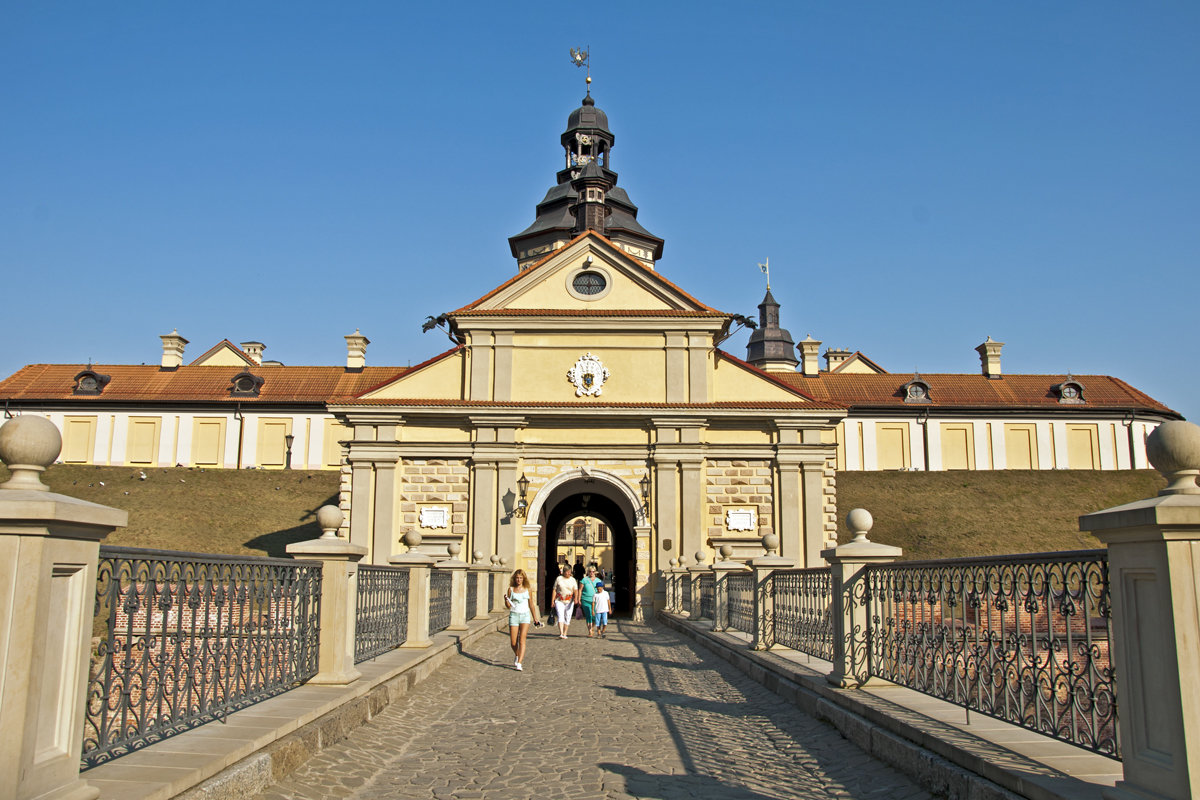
<point x="930" y="515"/>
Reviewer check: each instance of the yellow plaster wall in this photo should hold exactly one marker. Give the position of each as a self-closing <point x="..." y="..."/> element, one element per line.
<point x="224" y="358"/>
<point x="586" y="433"/>
<point x="736" y="436"/>
<point x="1083" y="447"/>
<point x="79" y="439"/>
<point x="856" y="367"/>
<point x="331" y="451"/>
<point x="432" y="433"/>
<point x="550" y="291"/>
<point x="1020" y="445"/>
<point x="958" y="445"/>
<point x="635" y="375"/>
<point x="891" y="445"/>
<point x="732" y="383"/>
<point x="440" y="380"/>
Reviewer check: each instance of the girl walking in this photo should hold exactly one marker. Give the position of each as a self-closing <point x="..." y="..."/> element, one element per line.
<point x="521" y="612"/>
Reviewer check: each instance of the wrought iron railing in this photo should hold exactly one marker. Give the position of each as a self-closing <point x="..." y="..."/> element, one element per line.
<point x="184" y="638"/>
<point x="706" y="590"/>
<point x="473" y="579"/>
<point x="686" y="594"/>
<point x="491" y="591"/>
<point x="739" y="588"/>
<point x="381" y="622"/>
<point x="802" y="612"/>
<point x="439" y="600"/>
<point x="1022" y="638"/>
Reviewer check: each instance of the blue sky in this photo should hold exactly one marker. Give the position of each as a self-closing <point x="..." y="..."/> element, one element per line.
<point x="921" y="175"/>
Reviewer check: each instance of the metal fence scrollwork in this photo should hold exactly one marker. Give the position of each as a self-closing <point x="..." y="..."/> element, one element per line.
<point x="686" y="594"/>
<point x="439" y="600"/>
<point x="707" y="592"/>
<point x="381" y="621"/>
<point x="181" y="639"/>
<point x="740" y="588"/>
<point x="473" y="579"/>
<point x="1021" y="638"/>
<point x="802" y="617"/>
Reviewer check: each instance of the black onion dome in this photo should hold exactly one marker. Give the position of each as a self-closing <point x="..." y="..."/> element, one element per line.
<point x="588" y="116"/>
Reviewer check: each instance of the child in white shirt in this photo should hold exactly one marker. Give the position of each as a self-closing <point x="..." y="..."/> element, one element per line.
<point x="601" y="607"/>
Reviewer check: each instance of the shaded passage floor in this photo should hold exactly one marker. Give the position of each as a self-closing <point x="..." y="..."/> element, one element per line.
<point x="640" y="714"/>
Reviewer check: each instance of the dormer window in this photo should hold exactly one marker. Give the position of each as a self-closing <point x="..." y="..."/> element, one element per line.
<point x="245" y="384"/>
<point x="90" y="382"/>
<point x="916" y="390"/>
<point x="1070" y="392"/>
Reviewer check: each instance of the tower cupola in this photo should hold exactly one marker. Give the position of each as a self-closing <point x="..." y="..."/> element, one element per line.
<point x="586" y="197"/>
<point x="771" y="347"/>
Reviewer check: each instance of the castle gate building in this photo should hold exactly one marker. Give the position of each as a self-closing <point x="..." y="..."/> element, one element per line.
<point x="590" y="384"/>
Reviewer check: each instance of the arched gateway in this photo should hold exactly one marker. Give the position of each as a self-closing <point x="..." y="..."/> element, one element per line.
<point x="607" y="497"/>
<point x="589" y="389"/>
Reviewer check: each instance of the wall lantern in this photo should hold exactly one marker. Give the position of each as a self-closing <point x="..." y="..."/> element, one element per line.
<point x="645" y="484"/>
<point x="522" y="490"/>
<point x="288" y="439"/>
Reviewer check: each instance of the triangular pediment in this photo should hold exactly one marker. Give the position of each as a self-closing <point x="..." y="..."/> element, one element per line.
<point x="551" y="285"/>
<point x="223" y="354"/>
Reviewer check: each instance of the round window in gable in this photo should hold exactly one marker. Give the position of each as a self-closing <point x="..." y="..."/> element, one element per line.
<point x="589" y="283"/>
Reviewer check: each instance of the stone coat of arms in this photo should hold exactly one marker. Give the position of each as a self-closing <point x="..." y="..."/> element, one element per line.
<point x="588" y="375"/>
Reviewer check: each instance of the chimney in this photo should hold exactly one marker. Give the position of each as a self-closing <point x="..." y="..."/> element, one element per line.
<point x="834" y="358"/>
<point x="173" y="344"/>
<point x="989" y="358"/>
<point x="356" y="351"/>
<point x="810" y="363"/>
<point x="254" y="350"/>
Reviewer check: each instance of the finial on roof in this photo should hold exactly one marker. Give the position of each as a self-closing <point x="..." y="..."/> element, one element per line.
<point x="766" y="269"/>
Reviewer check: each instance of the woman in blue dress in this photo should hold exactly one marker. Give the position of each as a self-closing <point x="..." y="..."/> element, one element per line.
<point x="521" y="612"/>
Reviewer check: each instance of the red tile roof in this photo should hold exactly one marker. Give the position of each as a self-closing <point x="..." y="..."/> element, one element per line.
<point x="188" y="384"/>
<point x="588" y="312"/>
<point x="975" y="391"/>
<point x="589" y="404"/>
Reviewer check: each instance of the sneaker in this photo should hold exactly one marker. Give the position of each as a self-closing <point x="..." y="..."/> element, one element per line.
<point x="518" y="666"/>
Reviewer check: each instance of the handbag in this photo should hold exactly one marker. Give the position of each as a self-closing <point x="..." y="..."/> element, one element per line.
<point x="578" y="611"/>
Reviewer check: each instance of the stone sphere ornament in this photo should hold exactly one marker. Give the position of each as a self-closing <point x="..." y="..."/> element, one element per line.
<point x="674" y="562"/>
<point x="859" y="521"/>
<point x="770" y="543"/>
<point x="28" y="444"/>
<point x="413" y="539"/>
<point x="454" y="548"/>
<point x="1174" y="450"/>
<point x="495" y="559"/>
<point x="699" y="556"/>
<point x="329" y="519"/>
<point x="478" y="556"/>
<point x="503" y="561"/>
<point x="726" y="552"/>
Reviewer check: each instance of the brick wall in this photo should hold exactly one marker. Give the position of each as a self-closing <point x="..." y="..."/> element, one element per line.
<point x="742" y="484"/>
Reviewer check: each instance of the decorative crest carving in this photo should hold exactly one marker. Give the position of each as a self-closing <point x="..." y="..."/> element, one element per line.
<point x="588" y="375"/>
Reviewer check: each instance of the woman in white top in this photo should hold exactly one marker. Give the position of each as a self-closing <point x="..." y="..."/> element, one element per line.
<point x="566" y="593"/>
<point x="521" y="612"/>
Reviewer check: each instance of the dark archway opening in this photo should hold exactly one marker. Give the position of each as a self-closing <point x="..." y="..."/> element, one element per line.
<point x="624" y="575"/>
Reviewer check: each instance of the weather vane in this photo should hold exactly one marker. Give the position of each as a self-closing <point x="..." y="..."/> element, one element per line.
<point x="766" y="269"/>
<point x="580" y="59"/>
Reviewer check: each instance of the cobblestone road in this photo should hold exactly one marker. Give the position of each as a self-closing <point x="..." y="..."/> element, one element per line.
<point x="640" y="714"/>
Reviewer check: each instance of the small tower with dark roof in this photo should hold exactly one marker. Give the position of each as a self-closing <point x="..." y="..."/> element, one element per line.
<point x="586" y="197"/>
<point x="771" y="346"/>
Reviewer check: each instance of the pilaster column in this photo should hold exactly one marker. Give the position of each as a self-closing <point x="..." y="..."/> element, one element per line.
<point x="764" y="568"/>
<point x="383" y="534"/>
<point x="692" y="506"/>
<point x="419" y="566"/>
<point x="339" y="597"/>
<point x="1154" y="581"/>
<point x="458" y="587"/>
<point x="360" y="513"/>
<point x="49" y="545"/>
<point x="813" y="531"/>
<point x="847" y="564"/>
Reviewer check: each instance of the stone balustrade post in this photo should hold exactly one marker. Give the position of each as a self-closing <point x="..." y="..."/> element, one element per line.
<point x="694" y="573"/>
<point x="1154" y="582"/>
<point x="721" y="572"/>
<point x="339" y="597"/>
<point x="49" y="546"/>
<point x="419" y="567"/>
<point x="479" y="573"/>
<point x="458" y="587"/>
<point x="848" y="563"/>
<point x="764" y="567"/>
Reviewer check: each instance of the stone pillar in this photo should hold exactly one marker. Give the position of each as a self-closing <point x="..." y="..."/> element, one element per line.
<point x="339" y="597"/>
<point x="49" y="545"/>
<point x="721" y="571"/>
<point x="1154" y="580"/>
<point x="479" y="573"/>
<point x="693" y="575"/>
<point x="500" y="570"/>
<point x="764" y="596"/>
<point x="458" y="587"/>
<point x="418" y="565"/>
<point x="847" y="563"/>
